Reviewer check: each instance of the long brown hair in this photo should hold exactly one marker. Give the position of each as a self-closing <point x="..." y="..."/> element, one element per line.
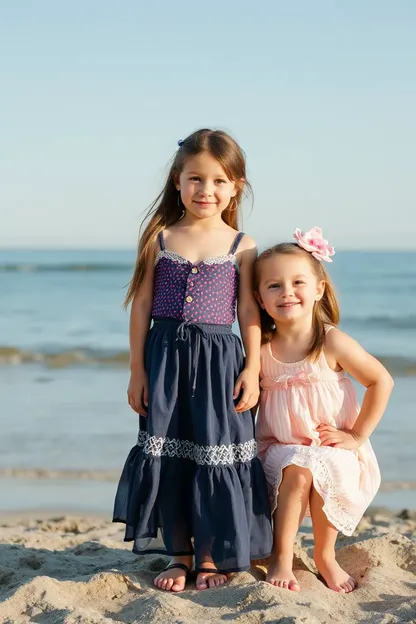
<point x="167" y="207"/>
<point x="325" y="311"/>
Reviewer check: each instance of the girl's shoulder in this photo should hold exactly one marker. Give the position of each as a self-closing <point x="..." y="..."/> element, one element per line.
<point x="334" y="338"/>
<point x="245" y="248"/>
<point x="246" y="241"/>
<point x="337" y="346"/>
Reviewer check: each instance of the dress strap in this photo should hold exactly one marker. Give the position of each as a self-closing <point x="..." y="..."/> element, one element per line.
<point x="236" y="242"/>
<point x="161" y="240"/>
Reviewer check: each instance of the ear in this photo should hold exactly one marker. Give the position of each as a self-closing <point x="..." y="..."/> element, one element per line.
<point x="258" y="299"/>
<point x="320" y="290"/>
<point x="238" y="185"/>
<point x="175" y="179"/>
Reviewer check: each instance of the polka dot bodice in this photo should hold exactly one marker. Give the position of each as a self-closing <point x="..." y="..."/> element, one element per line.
<point x="201" y="293"/>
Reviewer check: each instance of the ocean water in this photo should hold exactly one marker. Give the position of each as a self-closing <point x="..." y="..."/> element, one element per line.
<point x="64" y="372"/>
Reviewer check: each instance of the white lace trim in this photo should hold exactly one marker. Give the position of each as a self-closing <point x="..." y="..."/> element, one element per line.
<point x="336" y="513"/>
<point x="172" y="255"/>
<point x="202" y="455"/>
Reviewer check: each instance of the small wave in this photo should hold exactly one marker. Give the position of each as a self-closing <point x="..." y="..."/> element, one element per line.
<point x="9" y="355"/>
<point x="64" y="268"/>
<point x="62" y="359"/>
<point x="45" y="473"/>
<point x="382" y="322"/>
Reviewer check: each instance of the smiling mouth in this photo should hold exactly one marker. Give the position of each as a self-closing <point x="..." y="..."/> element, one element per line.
<point x="289" y="305"/>
<point x="202" y="203"/>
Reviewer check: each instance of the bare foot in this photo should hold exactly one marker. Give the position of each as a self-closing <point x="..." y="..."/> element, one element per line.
<point x="174" y="579"/>
<point x="280" y="574"/>
<point x="335" y="577"/>
<point x="211" y="578"/>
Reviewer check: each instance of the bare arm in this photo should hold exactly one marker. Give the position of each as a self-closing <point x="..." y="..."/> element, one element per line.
<point x="140" y="315"/>
<point x="369" y="372"/>
<point x="249" y="321"/>
<point x="248" y="311"/>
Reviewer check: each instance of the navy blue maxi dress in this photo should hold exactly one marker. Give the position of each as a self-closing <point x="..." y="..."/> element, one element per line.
<point x="194" y="474"/>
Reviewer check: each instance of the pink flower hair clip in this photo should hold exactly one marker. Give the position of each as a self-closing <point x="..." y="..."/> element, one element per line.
<point x="314" y="242"/>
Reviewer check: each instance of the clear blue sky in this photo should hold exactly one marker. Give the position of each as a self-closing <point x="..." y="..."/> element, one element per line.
<point x="94" y="95"/>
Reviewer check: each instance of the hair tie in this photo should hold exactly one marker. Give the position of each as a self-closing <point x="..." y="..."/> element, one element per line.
<point x="314" y="243"/>
<point x="180" y="142"/>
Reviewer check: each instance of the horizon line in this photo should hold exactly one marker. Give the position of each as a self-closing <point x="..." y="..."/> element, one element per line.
<point x="134" y="249"/>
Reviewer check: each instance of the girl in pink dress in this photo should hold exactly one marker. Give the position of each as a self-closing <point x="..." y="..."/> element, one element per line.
<point x="313" y="437"/>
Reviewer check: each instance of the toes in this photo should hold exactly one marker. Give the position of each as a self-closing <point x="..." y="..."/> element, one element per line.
<point x="167" y="583"/>
<point x="209" y="581"/>
<point x="349" y="585"/>
<point x="285" y="583"/>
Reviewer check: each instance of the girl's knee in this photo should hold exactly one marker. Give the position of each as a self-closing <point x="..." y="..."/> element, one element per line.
<point x="297" y="477"/>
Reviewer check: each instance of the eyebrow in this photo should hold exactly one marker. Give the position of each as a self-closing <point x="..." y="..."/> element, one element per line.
<point x="275" y="279"/>
<point x="217" y="175"/>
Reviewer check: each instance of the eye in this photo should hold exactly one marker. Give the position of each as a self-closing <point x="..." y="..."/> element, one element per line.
<point x="195" y="178"/>
<point x="299" y="282"/>
<point x="221" y="181"/>
<point x="275" y="285"/>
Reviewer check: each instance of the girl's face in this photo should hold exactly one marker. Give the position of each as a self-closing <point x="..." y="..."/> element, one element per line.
<point x="288" y="288"/>
<point x="205" y="188"/>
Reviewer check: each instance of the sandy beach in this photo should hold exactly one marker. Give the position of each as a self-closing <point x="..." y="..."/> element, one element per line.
<point x="76" y="569"/>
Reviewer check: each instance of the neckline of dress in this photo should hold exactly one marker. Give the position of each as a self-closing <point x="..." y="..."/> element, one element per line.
<point x="305" y="359"/>
<point x="204" y="261"/>
<point x="269" y="345"/>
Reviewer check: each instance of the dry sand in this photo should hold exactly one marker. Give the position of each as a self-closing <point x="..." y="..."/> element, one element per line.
<point x="78" y="570"/>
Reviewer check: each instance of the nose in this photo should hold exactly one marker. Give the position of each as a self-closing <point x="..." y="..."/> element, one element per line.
<point x="287" y="290"/>
<point x="206" y="187"/>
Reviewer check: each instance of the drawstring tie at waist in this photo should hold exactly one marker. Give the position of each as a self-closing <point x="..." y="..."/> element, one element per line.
<point x="182" y="333"/>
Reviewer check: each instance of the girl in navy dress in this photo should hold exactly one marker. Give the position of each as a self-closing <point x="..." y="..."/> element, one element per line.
<point x="194" y="474"/>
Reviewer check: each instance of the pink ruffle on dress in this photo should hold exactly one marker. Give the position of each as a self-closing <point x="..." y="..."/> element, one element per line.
<point x="295" y="399"/>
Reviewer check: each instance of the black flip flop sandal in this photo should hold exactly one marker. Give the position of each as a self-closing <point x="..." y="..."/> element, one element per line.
<point x="209" y="571"/>
<point x="180" y="566"/>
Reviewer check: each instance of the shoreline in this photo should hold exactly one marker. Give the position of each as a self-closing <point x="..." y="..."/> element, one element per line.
<point x="112" y="476"/>
<point x="96" y="497"/>
<point x="16" y="516"/>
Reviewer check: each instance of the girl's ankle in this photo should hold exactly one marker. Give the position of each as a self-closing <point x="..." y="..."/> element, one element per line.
<point x="324" y="555"/>
<point x="283" y="556"/>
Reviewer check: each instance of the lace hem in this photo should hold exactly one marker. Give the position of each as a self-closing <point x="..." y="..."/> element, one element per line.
<point x="336" y="513"/>
<point x="201" y="455"/>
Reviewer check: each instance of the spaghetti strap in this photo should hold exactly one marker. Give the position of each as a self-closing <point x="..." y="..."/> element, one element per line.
<point x="161" y="240"/>
<point x="328" y="328"/>
<point x="236" y="242"/>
